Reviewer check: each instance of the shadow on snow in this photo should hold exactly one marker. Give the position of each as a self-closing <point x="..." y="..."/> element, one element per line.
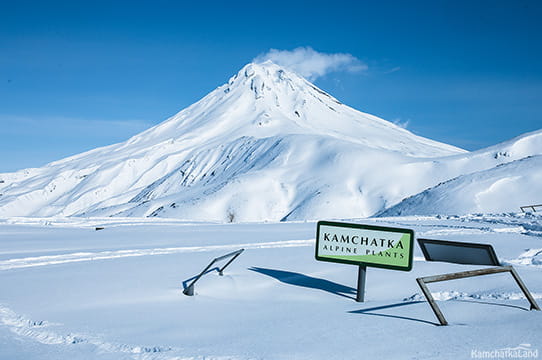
<point x="370" y="311"/>
<point x="302" y="280"/>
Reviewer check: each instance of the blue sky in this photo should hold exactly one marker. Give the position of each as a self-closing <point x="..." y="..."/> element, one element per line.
<point x="75" y="75"/>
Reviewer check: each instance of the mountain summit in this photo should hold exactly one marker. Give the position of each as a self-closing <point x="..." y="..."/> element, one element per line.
<point x="267" y="145"/>
<point x="264" y="100"/>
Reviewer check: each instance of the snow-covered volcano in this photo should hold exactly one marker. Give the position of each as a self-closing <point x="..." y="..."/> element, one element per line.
<point x="268" y="145"/>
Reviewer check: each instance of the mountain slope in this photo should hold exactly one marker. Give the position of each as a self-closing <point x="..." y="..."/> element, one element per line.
<point x="503" y="188"/>
<point x="497" y="179"/>
<point x="268" y="145"/>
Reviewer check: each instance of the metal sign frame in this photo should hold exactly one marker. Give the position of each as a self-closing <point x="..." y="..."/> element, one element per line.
<point x="493" y="260"/>
<point x="533" y="207"/>
<point x="410" y="232"/>
<point x="189" y="289"/>
<point x="423" y="281"/>
<point x="492" y="256"/>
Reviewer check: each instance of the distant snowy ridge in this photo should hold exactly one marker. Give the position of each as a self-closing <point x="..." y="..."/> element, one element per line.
<point x="266" y="146"/>
<point x="514" y="181"/>
<point x="503" y="188"/>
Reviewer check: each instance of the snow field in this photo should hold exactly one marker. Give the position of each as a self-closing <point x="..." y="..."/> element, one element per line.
<point x="274" y="302"/>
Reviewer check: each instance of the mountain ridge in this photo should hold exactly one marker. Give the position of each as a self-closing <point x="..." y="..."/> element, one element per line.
<point x="500" y="178"/>
<point x="266" y="146"/>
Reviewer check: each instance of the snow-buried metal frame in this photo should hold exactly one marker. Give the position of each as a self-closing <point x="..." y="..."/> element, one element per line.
<point x="533" y="207"/>
<point x="490" y="260"/>
<point x="189" y="290"/>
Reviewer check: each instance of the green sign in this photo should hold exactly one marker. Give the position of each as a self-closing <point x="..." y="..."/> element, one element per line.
<point x="366" y="245"/>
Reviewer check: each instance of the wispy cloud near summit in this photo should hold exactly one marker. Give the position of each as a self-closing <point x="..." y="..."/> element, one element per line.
<point x="312" y="64"/>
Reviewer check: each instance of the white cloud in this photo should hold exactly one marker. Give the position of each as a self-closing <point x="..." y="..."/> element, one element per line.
<point x="395" y="69"/>
<point x="402" y="123"/>
<point x="312" y="64"/>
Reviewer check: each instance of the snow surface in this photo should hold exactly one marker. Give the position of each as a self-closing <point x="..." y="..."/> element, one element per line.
<point x="71" y="292"/>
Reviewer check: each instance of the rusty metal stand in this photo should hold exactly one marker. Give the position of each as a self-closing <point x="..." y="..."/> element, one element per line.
<point x="464" y="274"/>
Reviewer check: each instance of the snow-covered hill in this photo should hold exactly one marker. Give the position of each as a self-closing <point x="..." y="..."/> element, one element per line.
<point x="503" y="188"/>
<point x="268" y="145"/>
<point x="508" y="175"/>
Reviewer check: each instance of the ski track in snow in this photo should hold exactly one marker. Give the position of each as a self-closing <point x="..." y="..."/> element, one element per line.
<point x="107" y="255"/>
<point x="43" y="332"/>
<point x="489" y="224"/>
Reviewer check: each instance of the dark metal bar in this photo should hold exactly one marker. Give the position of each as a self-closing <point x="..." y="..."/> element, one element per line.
<point x="515" y="275"/>
<point x="228" y="255"/>
<point x="220" y="271"/>
<point x="362" y="271"/>
<point x="189" y="290"/>
<point x="464" y="274"/>
<point x="432" y="302"/>
<point x="530" y="206"/>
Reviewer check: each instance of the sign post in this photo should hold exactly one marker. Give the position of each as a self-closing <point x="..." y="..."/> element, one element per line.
<point x="362" y="271"/>
<point x="364" y="245"/>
